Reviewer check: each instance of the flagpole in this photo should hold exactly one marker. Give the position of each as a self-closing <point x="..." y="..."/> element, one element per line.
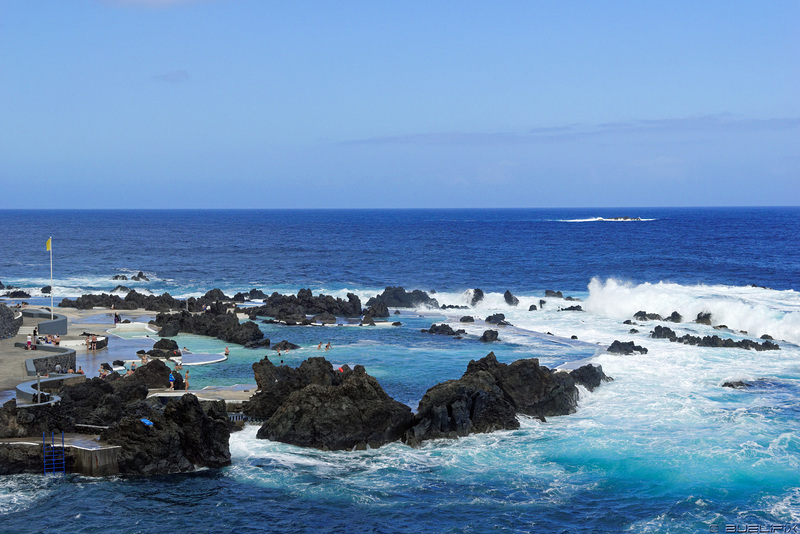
<point x="51" y="277"/>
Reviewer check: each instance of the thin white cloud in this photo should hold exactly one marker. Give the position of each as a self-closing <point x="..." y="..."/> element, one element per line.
<point x="173" y="76"/>
<point x="707" y="123"/>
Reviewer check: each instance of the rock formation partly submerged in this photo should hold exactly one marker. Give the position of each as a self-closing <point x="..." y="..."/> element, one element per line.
<point x="316" y="406"/>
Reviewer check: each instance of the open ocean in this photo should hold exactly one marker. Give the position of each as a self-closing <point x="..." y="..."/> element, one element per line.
<point x="662" y="448"/>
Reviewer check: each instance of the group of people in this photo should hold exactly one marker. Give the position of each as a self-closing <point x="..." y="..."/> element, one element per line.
<point x="35" y="339"/>
<point x="327" y="347"/>
<point x="172" y="376"/>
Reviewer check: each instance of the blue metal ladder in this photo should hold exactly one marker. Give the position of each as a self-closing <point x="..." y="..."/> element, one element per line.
<point x="53" y="455"/>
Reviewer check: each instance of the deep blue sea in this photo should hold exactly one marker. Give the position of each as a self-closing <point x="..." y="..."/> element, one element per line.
<point x="662" y="448"/>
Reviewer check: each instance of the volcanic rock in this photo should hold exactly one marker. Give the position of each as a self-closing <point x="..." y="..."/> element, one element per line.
<point x="477" y="296"/>
<point x="397" y="297"/>
<point x="703" y="318"/>
<point x="489" y="335"/>
<point x="443" y="329"/>
<point x="590" y="376"/>
<point x="467" y="319"/>
<point x="618" y="347"/>
<point x="510" y="299"/>
<point x="553" y="294"/>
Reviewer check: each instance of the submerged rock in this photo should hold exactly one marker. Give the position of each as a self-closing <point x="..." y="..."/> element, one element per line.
<point x="443" y="329"/>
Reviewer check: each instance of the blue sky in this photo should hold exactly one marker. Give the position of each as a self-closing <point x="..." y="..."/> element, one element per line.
<point x="260" y="104"/>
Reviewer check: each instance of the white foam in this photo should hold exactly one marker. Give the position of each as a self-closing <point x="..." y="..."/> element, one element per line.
<point x="755" y="310"/>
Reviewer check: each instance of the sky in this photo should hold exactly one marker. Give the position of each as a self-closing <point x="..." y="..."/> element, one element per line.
<point x="414" y="104"/>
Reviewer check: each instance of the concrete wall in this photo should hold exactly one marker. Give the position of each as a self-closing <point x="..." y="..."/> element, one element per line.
<point x="96" y="462"/>
<point x="46" y="363"/>
<point x="58" y="325"/>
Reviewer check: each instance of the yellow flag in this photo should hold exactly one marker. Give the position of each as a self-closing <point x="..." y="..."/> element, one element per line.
<point x="48" y="243"/>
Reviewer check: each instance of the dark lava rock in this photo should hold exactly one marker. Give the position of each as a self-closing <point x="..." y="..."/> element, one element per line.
<point x="121" y="289"/>
<point x="257" y="344"/>
<point x="553" y="294"/>
<point x="628" y="321"/>
<point x="510" y="299"/>
<point x="590" y="376"/>
<point x="184" y="435"/>
<point x="489" y="335"/>
<point x="224" y="326"/>
<point x="467" y="319"/>
<point x="497" y="318"/>
<point x="397" y="323"/>
<point x="662" y="332"/>
<point x="397" y="297"/>
<point x="633" y="331"/>
<point x="293" y="309"/>
<point x="572" y="308"/>
<point x="140" y="277"/>
<point x="17" y="294"/>
<point x="573" y="337"/>
<point x="767" y="337"/>
<point x="454" y="307"/>
<point x="737" y="385"/>
<point x="618" y="347"/>
<point x="397" y="312"/>
<point x="378" y="309"/>
<point x="168" y="345"/>
<point x="644" y="316"/>
<point x="532" y="307"/>
<point x="216" y="295"/>
<point x="477" y="296"/>
<point x="284" y="346"/>
<point x="46" y="290"/>
<point x="488" y="396"/>
<point x="355" y="412"/>
<point x="675" y="317"/>
<point x="119" y="277"/>
<point x="443" y="329"/>
<point x="573" y="299"/>
<point x="703" y="318"/>
<point x="542" y="303"/>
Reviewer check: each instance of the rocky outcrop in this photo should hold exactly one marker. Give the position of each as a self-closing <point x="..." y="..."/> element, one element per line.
<point x="467" y="319"/>
<point x="577" y="308"/>
<point x="443" y="329"/>
<point x="397" y="297"/>
<point x="489" y="336"/>
<point x="619" y="347"/>
<point x="510" y="299"/>
<point x="353" y="413"/>
<point x="224" y="326"/>
<point x="498" y="319"/>
<point x="183" y="436"/>
<point x="257" y="344"/>
<point x="477" y="296"/>
<point x="675" y="317"/>
<point x="17" y="294"/>
<point x="293" y="309"/>
<point x="644" y="316"/>
<point x="284" y="346"/>
<point x="140" y="277"/>
<point x="253" y="294"/>
<point x="378" y="309"/>
<point x="315" y="406"/>
<point x="119" y="277"/>
<point x="553" y="294"/>
<point x="532" y="307"/>
<point x="590" y="376"/>
<point x="46" y="290"/>
<point x="489" y="396"/>
<point x="703" y="318"/>
<point x="663" y="332"/>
